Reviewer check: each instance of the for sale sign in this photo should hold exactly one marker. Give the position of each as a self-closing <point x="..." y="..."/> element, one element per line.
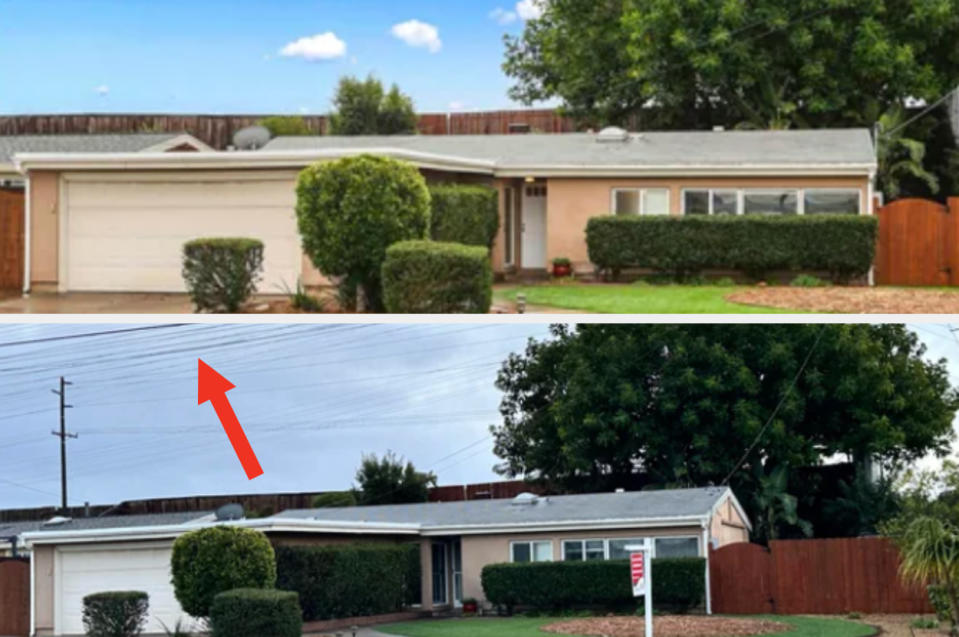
<point x="637" y="566"/>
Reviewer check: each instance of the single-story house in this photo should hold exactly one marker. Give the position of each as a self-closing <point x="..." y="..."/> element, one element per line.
<point x="116" y="221"/>
<point x="457" y="539"/>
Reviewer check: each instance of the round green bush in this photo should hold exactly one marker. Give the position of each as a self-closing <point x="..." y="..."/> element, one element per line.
<point x="221" y="274"/>
<point x="217" y="559"/>
<point x="350" y="210"/>
<point x="463" y="213"/>
<point x="431" y="277"/>
<point x="255" y="612"/>
<point x="115" y="613"/>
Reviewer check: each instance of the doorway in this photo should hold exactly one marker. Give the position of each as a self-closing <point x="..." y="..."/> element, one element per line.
<point x="533" y="253"/>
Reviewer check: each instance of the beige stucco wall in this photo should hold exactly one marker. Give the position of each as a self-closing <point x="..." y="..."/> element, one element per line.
<point x="44" y="225"/>
<point x="727" y="526"/>
<point x="43" y="589"/>
<point x="571" y="202"/>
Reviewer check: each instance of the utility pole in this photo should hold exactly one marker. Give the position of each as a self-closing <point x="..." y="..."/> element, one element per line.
<point x="63" y="435"/>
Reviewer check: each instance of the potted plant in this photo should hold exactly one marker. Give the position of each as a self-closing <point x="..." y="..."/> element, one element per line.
<point x="470" y="606"/>
<point x="562" y="267"/>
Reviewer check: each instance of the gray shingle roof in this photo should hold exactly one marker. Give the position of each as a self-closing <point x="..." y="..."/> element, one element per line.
<point x="94" y="143"/>
<point x="8" y="529"/>
<point x="648" y="149"/>
<point x="594" y="507"/>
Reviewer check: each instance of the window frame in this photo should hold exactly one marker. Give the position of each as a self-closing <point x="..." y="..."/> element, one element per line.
<point x="771" y="191"/>
<point x="696" y="538"/>
<point x="641" y="196"/>
<point x="835" y="189"/>
<point x="607" y="540"/>
<point x="710" y="204"/>
<point x="582" y="545"/>
<point x="532" y="553"/>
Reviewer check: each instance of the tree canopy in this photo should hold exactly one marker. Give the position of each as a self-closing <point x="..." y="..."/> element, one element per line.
<point x="390" y="480"/>
<point x="362" y="107"/>
<point x="767" y="64"/>
<point x="604" y="406"/>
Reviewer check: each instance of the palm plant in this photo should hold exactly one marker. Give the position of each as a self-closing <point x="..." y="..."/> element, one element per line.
<point x="899" y="156"/>
<point x="777" y="508"/>
<point x="929" y="549"/>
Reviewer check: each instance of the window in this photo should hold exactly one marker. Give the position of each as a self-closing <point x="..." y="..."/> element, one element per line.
<point x="633" y="201"/>
<point x="617" y="548"/>
<point x="578" y="550"/>
<point x="625" y="202"/>
<point x="695" y="202"/>
<point x="656" y="201"/>
<point x="775" y="202"/>
<point x="818" y="201"/>
<point x="710" y="202"/>
<point x="539" y="551"/>
<point x="725" y="202"/>
<point x="676" y="547"/>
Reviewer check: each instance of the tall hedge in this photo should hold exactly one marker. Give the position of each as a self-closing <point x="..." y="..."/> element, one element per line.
<point x="463" y="213"/>
<point x="349" y="581"/>
<point x="221" y="273"/>
<point x="842" y="245"/>
<point x="213" y="560"/>
<point x="431" y="277"/>
<point x="678" y="584"/>
<point x="350" y="210"/>
<point x="256" y="612"/>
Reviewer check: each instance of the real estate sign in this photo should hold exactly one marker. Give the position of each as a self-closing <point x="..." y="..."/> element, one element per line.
<point x="637" y="568"/>
<point x="641" y="574"/>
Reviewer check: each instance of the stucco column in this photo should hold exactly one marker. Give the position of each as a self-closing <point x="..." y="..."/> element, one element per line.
<point x="426" y="575"/>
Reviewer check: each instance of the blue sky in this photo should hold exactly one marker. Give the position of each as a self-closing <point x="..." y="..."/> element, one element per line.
<point x="225" y="57"/>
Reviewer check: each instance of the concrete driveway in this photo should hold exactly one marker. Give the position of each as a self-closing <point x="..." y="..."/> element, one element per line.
<point x="97" y="303"/>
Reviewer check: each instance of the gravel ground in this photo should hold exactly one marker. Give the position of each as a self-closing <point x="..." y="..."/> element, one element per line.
<point x="853" y="300"/>
<point x="667" y="626"/>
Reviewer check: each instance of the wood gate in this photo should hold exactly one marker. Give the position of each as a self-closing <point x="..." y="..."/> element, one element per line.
<point x="14" y="597"/>
<point x="918" y="243"/>
<point x="11" y="239"/>
<point x="812" y="576"/>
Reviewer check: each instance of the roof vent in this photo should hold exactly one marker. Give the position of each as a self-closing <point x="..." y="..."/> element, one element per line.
<point x="251" y="137"/>
<point x="525" y="498"/>
<point x="57" y="520"/>
<point x="612" y="134"/>
<point x="719" y="129"/>
<point x="620" y="490"/>
<point x="229" y="512"/>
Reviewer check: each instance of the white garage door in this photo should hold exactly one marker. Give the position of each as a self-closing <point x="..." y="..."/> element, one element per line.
<point x="144" y="568"/>
<point x="128" y="236"/>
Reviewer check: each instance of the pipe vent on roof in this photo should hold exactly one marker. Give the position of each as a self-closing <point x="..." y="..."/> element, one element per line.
<point x="612" y="134"/>
<point x="525" y="499"/>
<point x="57" y="520"/>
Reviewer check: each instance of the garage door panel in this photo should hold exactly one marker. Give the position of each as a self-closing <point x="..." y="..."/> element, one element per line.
<point x="92" y="571"/>
<point x="113" y="195"/>
<point x="135" y="244"/>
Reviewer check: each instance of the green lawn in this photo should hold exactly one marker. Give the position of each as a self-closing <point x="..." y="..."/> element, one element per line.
<point x="634" y="299"/>
<point x="529" y="627"/>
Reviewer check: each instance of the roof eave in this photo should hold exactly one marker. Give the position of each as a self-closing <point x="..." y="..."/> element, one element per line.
<point x="571" y="525"/>
<point x="682" y="170"/>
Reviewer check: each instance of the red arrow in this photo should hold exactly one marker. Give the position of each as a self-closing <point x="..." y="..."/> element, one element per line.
<point x="213" y="387"/>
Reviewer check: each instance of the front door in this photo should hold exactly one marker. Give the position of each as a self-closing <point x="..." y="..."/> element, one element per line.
<point x="534" y="227"/>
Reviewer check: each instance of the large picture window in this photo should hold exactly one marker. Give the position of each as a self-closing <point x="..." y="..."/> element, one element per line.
<point x="676" y="547"/>
<point x="770" y="202"/>
<point x="535" y="551"/>
<point x="831" y="201"/>
<point x="615" y="548"/>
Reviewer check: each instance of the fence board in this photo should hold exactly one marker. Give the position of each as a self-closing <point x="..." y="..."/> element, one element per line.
<point x="827" y="576"/>
<point x="14" y="597"/>
<point x="11" y="239"/>
<point x="917" y="243"/>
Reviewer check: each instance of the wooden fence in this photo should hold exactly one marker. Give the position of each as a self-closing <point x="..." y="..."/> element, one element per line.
<point x="11" y="239"/>
<point x="918" y="243"/>
<point x="831" y="576"/>
<point x="218" y="130"/>
<point x="14" y="597"/>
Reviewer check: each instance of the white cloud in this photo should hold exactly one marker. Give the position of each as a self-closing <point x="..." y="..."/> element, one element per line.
<point x="416" y="33"/>
<point x="102" y="90"/>
<point x="322" y="46"/>
<point x="530" y="9"/>
<point x="502" y="16"/>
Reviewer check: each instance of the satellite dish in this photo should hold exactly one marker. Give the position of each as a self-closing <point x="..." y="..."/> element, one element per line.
<point x="230" y="512"/>
<point x="251" y="137"/>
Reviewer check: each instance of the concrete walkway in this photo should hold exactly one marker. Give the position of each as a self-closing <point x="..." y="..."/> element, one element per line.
<point x="362" y="632"/>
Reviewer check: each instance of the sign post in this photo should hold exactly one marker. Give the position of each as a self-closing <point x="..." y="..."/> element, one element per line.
<point x="641" y="574"/>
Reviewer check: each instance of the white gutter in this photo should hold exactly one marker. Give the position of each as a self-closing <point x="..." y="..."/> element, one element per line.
<point x="297" y="159"/>
<point x="571" y="525"/>
<point x="27" y="222"/>
<point x="706" y="547"/>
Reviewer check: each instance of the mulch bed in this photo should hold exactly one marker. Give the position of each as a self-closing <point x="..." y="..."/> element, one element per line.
<point x="852" y="300"/>
<point x="667" y="626"/>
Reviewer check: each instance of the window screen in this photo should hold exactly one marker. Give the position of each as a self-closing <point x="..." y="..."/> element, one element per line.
<point x="656" y="201"/>
<point x="626" y="202"/>
<point x="677" y="547"/>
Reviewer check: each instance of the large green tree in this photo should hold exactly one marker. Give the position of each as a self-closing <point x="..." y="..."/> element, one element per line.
<point x="766" y="63"/>
<point x="390" y="480"/>
<point x="603" y="406"/>
<point x="362" y="107"/>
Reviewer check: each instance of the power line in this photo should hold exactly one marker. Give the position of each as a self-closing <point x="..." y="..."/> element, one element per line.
<point x="920" y="114"/>
<point x="50" y="339"/>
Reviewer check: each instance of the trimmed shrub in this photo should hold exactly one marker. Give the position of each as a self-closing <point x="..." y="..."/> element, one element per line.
<point x="256" y="612"/>
<point x="348" y="581"/>
<point x="842" y="245"/>
<point x="221" y="274"/>
<point x="218" y="559"/>
<point x="428" y="277"/>
<point x="464" y="214"/>
<point x="115" y="613"/>
<point x="678" y="584"/>
<point x="286" y="125"/>
<point x="350" y="210"/>
<point x="334" y="499"/>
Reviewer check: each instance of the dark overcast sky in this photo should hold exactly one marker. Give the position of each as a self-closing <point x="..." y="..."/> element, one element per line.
<point x="312" y="399"/>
